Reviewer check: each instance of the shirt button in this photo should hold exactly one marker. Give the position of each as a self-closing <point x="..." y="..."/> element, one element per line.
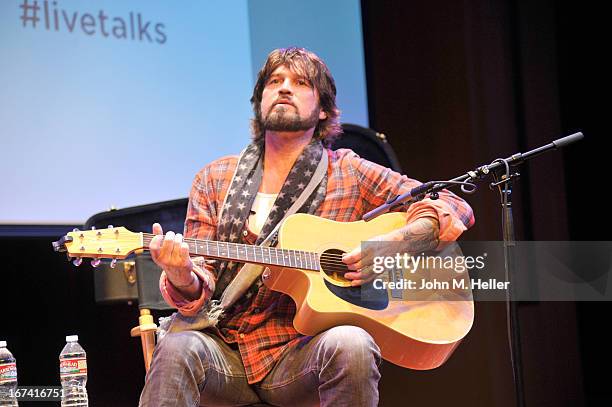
<point x="245" y="233"/>
<point x="242" y="336"/>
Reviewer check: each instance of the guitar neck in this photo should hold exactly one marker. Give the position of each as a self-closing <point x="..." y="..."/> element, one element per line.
<point x="244" y="253"/>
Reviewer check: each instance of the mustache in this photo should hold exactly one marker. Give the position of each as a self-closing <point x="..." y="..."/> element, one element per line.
<point x="284" y="101"/>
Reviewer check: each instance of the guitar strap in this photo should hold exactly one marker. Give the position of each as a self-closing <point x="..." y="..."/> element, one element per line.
<point x="250" y="272"/>
<point x="234" y="279"/>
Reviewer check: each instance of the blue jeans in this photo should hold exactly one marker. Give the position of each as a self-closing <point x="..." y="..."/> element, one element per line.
<point x="338" y="367"/>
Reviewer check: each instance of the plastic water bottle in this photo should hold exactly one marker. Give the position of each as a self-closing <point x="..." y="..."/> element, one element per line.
<point x="8" y="377"/>
<point x="73" y="373"/>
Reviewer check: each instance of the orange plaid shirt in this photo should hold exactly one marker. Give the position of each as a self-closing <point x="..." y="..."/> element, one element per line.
<point x="261" y="326"/>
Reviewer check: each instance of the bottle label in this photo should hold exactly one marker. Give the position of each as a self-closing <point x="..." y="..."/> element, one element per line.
<point x="8" y="372"/>
<point x="73" y="367"/>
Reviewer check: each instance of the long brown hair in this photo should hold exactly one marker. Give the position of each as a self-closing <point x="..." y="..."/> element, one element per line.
<point x="311" y="67"/>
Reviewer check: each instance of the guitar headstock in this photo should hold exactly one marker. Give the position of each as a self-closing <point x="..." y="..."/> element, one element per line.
<point x="111" y="243"/>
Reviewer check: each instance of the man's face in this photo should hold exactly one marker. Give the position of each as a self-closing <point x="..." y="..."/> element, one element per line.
<point x="289" y="102"/>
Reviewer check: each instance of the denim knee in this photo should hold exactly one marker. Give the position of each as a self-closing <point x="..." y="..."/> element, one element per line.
<point x="181" y="349"/>
<point x="349" y="346"/>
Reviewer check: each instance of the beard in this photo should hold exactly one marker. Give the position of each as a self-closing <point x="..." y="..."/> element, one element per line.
<point x="283" y="118"/>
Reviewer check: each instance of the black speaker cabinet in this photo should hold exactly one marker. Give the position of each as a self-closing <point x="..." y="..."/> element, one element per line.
<point x="137" y="277"/>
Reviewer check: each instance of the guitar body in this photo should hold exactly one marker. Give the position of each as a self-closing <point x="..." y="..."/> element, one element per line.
<point x="415" y="334"/>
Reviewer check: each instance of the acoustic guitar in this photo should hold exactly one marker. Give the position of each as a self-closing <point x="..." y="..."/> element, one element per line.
<point x="413" y="331"/>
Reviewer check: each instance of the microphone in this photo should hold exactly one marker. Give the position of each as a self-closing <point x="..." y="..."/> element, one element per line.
<point x="390" y="204"/>
<point x="572" y="138"/>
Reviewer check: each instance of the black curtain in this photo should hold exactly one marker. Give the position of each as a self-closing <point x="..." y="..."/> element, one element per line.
<point x="454" y="84"/>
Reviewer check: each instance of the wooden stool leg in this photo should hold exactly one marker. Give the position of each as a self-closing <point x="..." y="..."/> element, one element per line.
<point x="147" y="329"/>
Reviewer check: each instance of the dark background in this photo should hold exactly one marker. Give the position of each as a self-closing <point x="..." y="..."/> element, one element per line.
<point x="452" y="84"/>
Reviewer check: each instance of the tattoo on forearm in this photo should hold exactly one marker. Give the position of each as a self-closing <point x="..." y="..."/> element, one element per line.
<point x="421" y="235"/>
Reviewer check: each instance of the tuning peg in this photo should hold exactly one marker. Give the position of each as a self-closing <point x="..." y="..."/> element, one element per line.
<point x="77" y="261"/>
<point x="93" y="228"/>
<point x="110" y="226"/>
<point x="113" y="263"/>
<point x="95" y="262"/>
<point x="76" y="230"/>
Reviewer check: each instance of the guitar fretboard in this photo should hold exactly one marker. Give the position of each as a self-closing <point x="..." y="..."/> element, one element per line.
<point x="245" y="253"/>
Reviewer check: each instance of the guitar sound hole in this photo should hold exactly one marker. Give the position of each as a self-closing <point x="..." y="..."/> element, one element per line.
<point x="333" y="267"/>
<point x="365" y="296"/>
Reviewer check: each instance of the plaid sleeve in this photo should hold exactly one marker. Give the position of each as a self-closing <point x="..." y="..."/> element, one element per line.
<point x="200" y="223"/>
<point x="379" y="184"/>
<point x="201" y="220"/>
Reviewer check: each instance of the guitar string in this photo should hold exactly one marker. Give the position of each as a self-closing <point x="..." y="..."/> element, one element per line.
<point x="332" y="265"/>
<point x="326" y="260"/>
<point x="148" y="239"/>
<point x="329" y="261"/>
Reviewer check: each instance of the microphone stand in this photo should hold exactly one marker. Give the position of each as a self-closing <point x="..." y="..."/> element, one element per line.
<point x="499" y="169"/>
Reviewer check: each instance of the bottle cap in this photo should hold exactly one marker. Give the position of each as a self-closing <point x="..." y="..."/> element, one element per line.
<point x="72" y="338"/>
<point x="2" y="344"/>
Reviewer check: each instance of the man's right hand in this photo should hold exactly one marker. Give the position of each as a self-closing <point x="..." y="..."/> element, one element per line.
<point x="172" y="255"/>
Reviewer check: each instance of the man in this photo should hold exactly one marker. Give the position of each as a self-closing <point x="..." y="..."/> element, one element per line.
<point x="253" y="353"/>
